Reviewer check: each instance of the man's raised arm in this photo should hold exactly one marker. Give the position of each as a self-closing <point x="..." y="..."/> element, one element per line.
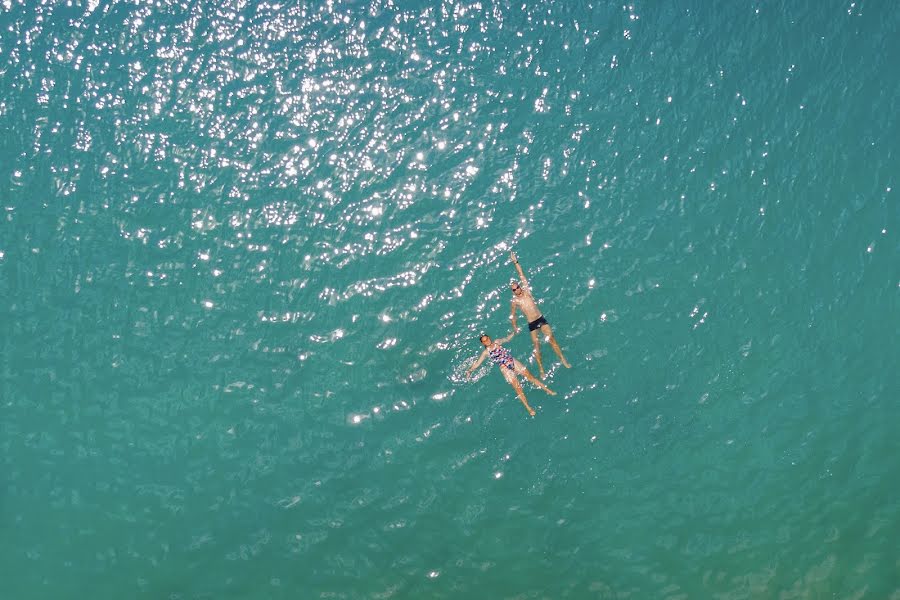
<point x="522" y="277"/>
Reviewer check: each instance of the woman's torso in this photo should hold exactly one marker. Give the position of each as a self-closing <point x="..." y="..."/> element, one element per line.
<point x="501" y="356"/>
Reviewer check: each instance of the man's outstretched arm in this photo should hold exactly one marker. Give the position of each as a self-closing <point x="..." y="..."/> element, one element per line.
<point x="515" y="262"/>
<point x="512" y="316"/>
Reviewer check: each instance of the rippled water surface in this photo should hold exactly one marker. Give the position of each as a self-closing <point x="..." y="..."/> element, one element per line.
<point x="246" y="249"/>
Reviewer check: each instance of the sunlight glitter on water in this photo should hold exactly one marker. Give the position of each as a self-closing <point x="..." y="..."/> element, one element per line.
<point x="284" y="226"/>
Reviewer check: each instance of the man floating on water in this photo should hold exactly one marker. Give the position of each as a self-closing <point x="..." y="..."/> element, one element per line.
<point x="524" y="301"/>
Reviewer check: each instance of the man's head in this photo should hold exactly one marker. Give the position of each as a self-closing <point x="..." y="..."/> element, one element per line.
<point x="516" y="288"/>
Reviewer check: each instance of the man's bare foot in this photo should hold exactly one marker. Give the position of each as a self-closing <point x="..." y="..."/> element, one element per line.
<point x="531" y="411"/>
<point x="566" y="364"/>
<point x="549" y="391"/>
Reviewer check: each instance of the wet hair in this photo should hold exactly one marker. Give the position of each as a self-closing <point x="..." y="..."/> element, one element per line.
<point x="482" y="336"/>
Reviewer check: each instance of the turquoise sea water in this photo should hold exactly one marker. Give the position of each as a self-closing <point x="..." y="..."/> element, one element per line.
<point x="246" y="249"/>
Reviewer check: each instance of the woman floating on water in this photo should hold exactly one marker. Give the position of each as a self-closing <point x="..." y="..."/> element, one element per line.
<point x="509" y="366"/>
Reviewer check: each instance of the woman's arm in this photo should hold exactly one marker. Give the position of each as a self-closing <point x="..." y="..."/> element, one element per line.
<point x="507" y="338"/>
<point x="477" y="363"/>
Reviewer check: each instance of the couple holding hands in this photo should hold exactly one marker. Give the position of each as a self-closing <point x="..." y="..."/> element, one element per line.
<point x="509" y="366"/>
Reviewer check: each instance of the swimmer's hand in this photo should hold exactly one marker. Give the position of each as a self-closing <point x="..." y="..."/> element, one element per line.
<point x="512" y="256"/>
<point x="468" y="375"/>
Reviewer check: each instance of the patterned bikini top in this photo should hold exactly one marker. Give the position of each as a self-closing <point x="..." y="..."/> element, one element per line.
<point x="501" y="356"/>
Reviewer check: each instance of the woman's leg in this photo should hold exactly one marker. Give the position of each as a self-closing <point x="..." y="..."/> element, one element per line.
<point x="514" y="381"/>
<point x="549" y="333"/>
<point x="520" y="368"/>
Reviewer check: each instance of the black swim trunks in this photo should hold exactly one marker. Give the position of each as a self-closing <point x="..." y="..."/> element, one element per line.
<point x="536" y="324"/>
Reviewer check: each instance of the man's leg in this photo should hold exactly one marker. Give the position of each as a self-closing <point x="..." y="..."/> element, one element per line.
<point x="537" y="351"/>
<point x="549" y="333"/>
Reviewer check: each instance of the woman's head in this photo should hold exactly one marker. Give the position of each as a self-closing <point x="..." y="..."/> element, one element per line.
<point x="485" y="339"/>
